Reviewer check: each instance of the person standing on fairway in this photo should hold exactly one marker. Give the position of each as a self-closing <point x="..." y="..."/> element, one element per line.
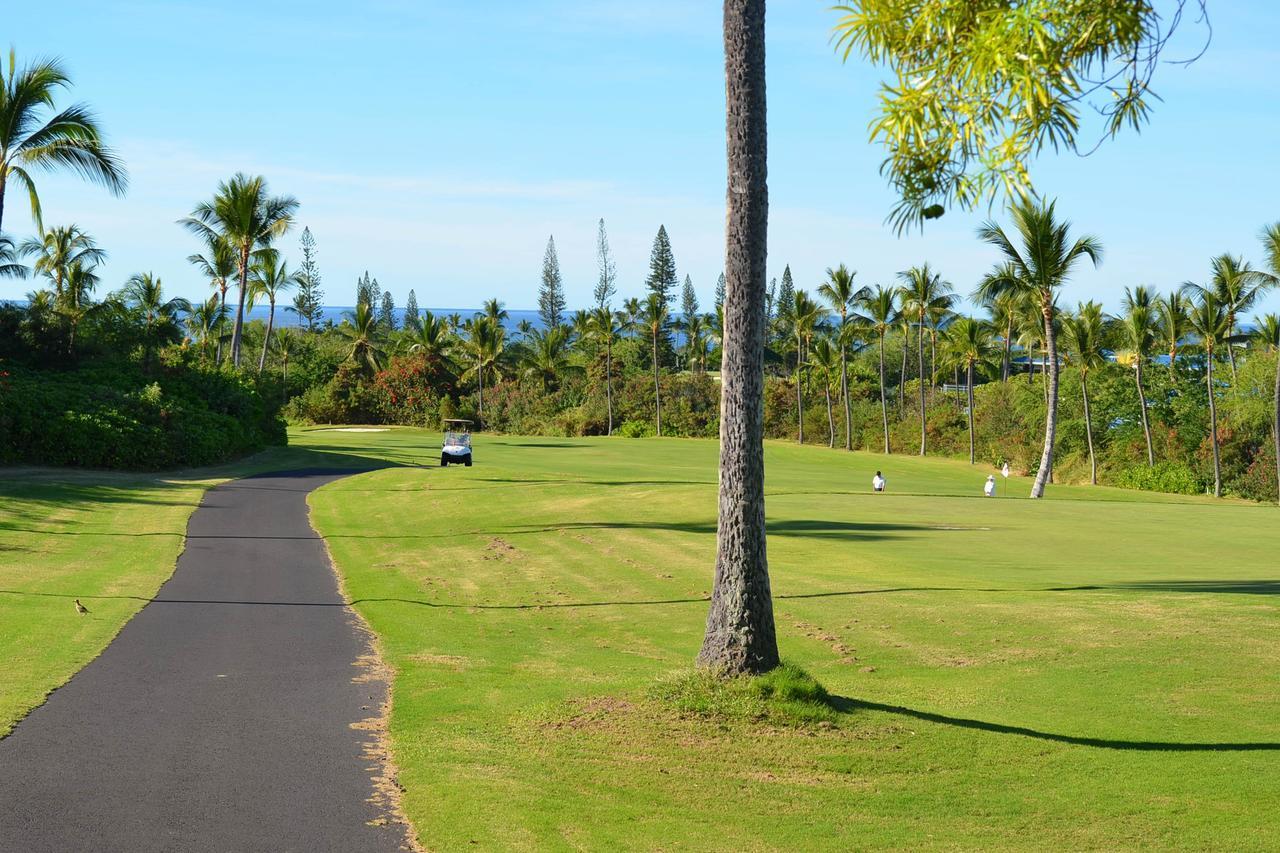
<point x="990" y="488"/>
<point x="877" y="482"/>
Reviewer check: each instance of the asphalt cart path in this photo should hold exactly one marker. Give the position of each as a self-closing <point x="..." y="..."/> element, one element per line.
<point x="231" y="713"/>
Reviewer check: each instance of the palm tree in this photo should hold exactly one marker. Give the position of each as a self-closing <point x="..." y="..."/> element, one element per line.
<point x="695" y="341"/>
<point x="80" y="283"/>
<point x="1138" y="327"/>
<point x="828" y="358"/>
<point x="246" y="217"/>
<point x="653" y="316"/>
<point x="547" y="359"/>
<point x="842" y="296"/>
<point x="1210" y="322"/>
<point x="484" y="343"/>
<point x="1173" y="326"/>
<point x="9" y="266"/>
<point x="432" y="339"/>
<point x="1266" y="334"/>
<point x="805" y="317"/>
<point x="143" y="295"/>
<point x="70" y="139"/>
<point x="632" y="307"/>
<point x="923" y="290"/>
<point x="1038" y="269"/>
<point x="1084" y="336"/>
<point x="881" y="309"/>
<point x="284" y="344"/>
<point x="1003" y="308"/>
<point x="606" y="327"/>
<point x="270" y="278"/>
<point x="968" y="345"/>
<point x="205" y="321"/>
<point x="1238" y="287"/>
<point x="740" y="635"/>
<point x="59" y="249"/>
<point x="360" y="328"/>
<point x="218" y="264"/>
<point x="493" y="310"/>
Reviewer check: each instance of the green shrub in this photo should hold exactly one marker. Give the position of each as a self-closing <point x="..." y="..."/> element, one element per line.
<point x="116" y="417"/>
<point x="785" y="695"/>
<point x="1171" y="477"/>
<point x="636" y="429"/>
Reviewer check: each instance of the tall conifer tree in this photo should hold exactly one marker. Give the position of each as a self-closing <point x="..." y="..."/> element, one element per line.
<point x="551" y="302"/>
<point x="387" y="311"/>
<point x="662" y="278"/>
<point x="306" y="302"/>
<point x="605" y="288"/>
<point x="412" y="320"/>
<point x="688" y="299"/>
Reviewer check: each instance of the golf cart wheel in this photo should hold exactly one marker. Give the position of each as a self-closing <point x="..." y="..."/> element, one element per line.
<point x="468" y="462"/>
<point x="444" y="461"/>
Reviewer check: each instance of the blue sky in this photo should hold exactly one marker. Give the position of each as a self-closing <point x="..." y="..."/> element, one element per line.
<point x="438" y="144"/>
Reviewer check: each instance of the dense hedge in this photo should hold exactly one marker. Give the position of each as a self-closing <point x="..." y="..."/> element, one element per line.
<point x="119" y="417"/>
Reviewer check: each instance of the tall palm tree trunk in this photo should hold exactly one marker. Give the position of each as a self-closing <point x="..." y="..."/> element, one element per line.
<point x="222" y="290"/>
<point x="1088" y="428"/>
<point x="266" y="340"/>
<point x="1051" y="407"/>
<point x="884" y="405"/>
<point x="1213" y="426"/>
<point x="831" y="419"/>
<point x="902" y="374"/>
<point x="1007" y="362"/>
<point x="238" y="328"/>
<point x="933" y="358"/>
<point x="1231" y="351"/>
<point x="969" y="377"/>
<point x="608" y="383"/>
<point x="740" y="629"/>
<point x="657" y="392"/>
<point x="920" y="371"/>
<point x="1275" y="429"/>
<point x="848" y="404"/>
<point x="1173" y="362"/>
<point x="480" y="408"/>
<point x="799" y="393"/>
<point x="1142" y="405"/>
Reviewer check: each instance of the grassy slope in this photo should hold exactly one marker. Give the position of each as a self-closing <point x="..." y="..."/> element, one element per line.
<point x="107" y="538"/>
<point x="1015" y="673"/>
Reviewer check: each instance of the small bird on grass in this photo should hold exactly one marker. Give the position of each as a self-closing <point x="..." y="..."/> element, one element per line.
<point x="80" y="608"/>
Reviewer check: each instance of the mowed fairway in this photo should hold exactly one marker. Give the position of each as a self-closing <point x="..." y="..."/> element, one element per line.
<point x="1098" y="670"/>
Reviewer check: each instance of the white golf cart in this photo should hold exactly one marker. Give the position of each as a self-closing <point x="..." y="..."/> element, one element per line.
<point x="457" y="443"/>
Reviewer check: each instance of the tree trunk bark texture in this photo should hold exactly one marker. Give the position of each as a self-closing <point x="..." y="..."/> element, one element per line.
<point x="1088" y="429"/>
<point x="1142" y="404"/>
<point x="1051" y="401"/>
<point x="884" y="405"/>
<point x="1213" y="427"/>
<point x="969" y="376"/>
<point x="740" y="636"/>
<point x="244" y="286"/>
<point x="920" y="370"/>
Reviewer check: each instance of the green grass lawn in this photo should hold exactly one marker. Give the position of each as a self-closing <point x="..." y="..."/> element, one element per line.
<point x="1098" y="670"/>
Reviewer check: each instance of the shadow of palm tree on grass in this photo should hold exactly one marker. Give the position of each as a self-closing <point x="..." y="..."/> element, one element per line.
<point x="848" y="705"/>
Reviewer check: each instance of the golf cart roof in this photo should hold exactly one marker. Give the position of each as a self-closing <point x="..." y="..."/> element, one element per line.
<point x="460" y="421"/>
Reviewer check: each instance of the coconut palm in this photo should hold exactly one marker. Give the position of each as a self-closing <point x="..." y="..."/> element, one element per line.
<point x="9" y="266"/>
<point x="270" y="278"/>
<point x="547" y="357"/>
<point x="843" y="297"/>
<point x="1138" y="327"/>
<point x="360" y="328"/>
<point x="1238" y="287"/>
<point x="923" y="291"/>
<point x="432" y="339"/>
<point x="1266" y="334"/>
<point x="30" y="141"/>
<point x="483" y="344"/>
<point x="1210" y="322"/>
<point x="77" y="289"/>
<point x="696" y="327"/>
<point x="632" y="308"/>
<point x="653" y="317"/>
<point x="247" y="217"/>
<point x="1004" y="310"/>
<point x="205" y="322"/>
<point x="283" y="346"/>
<point x="968" y="345"/>
<point x="1173" y="326"/>
<point x="494" y="310"/>
<point x="826" y="356"/>
<point x="880" y="306"/>
<point x="143" y="296"/>
<point x="1084" y="335"/>
<point x="1038" y="268"/>
<point x="57" y="250"/>
<point x="740" y="635"/>
<point x="218" y="264"/>
<point x="806" y="315"/>
<point x="606" y="329"/>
